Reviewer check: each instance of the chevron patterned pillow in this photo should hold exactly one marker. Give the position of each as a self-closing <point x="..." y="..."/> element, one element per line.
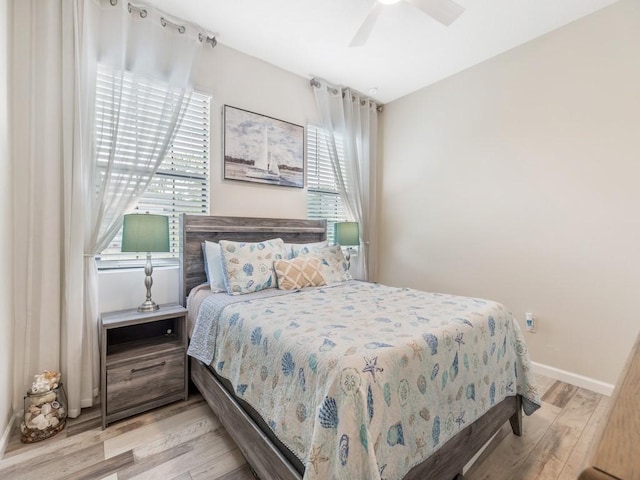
<point x="298" y="273"/>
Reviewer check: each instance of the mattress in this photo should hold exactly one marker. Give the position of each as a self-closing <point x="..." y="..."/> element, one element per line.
<point x="360" y="380"/>
<point x="195" y="299"/>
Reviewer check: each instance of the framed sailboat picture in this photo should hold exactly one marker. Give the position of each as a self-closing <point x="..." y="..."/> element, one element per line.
<point x="262" y="149"/>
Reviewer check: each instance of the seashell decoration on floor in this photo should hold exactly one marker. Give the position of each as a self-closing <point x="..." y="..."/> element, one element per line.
<point x="45" y="408"/>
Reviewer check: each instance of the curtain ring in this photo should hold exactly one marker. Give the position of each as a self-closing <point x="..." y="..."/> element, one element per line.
<point x="141" y="11"/>
<point x="114" y="3"/>
<point x="180" y="28"/>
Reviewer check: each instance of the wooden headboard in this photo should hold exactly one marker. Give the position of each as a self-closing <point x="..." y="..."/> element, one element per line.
<point x="195" y="229"/>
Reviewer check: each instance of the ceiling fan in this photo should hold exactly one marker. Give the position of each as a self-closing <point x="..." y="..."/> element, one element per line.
<point x="444" y="11"/>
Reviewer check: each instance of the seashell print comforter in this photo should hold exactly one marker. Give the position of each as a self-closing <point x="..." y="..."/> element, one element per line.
<point x="361" y="380"/>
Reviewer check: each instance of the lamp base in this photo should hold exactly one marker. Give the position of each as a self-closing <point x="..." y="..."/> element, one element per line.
<point x="347" y="257"/>
<point x="148" y="306"/>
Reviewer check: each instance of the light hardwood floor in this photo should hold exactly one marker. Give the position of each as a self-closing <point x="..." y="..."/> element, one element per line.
<point x="185" y="441"/>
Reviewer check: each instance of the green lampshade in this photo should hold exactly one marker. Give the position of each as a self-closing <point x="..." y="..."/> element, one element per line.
<point x="346" y="233"/>
<point x="145" y="233"/>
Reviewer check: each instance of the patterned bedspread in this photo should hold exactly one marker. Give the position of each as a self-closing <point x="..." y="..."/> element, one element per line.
<point x="364" y="381"/>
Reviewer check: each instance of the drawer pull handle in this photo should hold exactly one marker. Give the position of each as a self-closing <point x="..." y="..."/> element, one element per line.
<point x="161" y="364"/>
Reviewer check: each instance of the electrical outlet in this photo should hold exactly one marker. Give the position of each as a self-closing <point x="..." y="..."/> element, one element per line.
<point x="530" y="322"/>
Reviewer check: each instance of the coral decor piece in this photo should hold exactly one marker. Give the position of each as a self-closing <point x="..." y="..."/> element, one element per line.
<point x="45" y="405"/>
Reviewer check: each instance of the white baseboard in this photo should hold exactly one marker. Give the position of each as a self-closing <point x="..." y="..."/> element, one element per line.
<point x="4" y="441"/>
<point x="574" y="379"/>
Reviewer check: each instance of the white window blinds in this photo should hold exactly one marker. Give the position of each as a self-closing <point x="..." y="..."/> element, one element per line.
<point x="323" y="196"/>
<point x="181" y="183"/>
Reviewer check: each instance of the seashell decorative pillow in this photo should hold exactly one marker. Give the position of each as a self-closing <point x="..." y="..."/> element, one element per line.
<point x="248" y="266"/>
<point x="334" y="265"/>
<point x="297" y="249"/>
<point x="298" y="273"/>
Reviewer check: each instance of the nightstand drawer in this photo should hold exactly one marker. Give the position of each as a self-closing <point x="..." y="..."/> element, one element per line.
<point x="135" y="382"/>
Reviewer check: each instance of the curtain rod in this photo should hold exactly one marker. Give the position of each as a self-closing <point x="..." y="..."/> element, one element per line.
<point x="166" y="23"/>
<point x="334" y="90"/>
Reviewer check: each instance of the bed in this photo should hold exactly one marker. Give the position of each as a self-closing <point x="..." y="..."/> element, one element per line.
<point x="387" y="435"/>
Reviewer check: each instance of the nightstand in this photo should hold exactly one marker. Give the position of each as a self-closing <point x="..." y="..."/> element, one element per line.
<point x="143" y="360"/>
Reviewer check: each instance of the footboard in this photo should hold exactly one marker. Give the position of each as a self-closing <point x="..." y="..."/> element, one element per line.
<point x="448" y="461"/>
<point x="269" y="463"/>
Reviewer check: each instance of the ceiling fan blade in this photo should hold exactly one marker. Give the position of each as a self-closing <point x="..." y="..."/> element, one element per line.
<point x="366" y="28"/>
<point x="444" y="11"/>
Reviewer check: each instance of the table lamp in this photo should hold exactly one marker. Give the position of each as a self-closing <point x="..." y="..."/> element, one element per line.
<point x="146" y="233"/>
<point x="347" y="235"/>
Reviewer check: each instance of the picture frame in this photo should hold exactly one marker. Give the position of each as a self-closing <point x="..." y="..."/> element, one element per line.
<point x="262" y="149"/>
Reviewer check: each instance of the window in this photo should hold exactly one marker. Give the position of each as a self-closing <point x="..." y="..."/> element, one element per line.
<point x="323" y="196"/>
<point x="181" y="183"/>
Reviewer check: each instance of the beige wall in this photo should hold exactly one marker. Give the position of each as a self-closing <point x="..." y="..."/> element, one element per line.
<point x="517" y="180"/>
<point x="236" y="79"/>
<point x="6" y="226"/>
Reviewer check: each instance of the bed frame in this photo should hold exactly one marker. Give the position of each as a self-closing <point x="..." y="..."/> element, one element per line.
<point x="262" y="454"/>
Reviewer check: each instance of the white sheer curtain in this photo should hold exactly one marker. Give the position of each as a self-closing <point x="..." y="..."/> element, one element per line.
<point x="348" y="115"/>
<point x="42" y="120"/>
<point x="96" y="174"/>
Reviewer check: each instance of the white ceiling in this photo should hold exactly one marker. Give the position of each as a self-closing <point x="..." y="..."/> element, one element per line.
<point x="406" y="51"/>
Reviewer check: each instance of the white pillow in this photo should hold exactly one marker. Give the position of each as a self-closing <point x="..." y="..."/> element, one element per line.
<point x="296" y="249"/>
<point x="215" y="273"/>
